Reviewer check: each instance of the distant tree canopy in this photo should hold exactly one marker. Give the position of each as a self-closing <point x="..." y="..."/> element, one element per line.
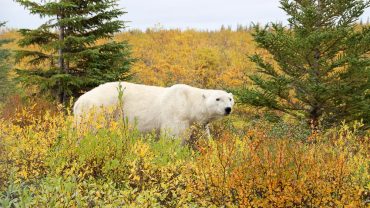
<point x="74" y="49"/>
<point x="320" y="65"/>
<point x="6" y="84"/>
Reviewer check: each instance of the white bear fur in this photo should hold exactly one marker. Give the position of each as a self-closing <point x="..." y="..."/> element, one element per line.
<point x="172" y="110"/>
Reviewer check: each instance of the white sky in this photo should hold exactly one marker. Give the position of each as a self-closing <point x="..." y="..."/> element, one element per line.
<point x="183" y="14"/>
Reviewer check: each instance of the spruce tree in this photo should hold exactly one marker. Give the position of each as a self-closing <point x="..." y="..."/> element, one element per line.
<point x="318" y="67"/>
<point x="74" y="48"/>
<point x="6" y="84"/>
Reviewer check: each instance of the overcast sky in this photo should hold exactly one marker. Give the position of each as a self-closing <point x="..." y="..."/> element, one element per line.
<point x="198" y="14"/>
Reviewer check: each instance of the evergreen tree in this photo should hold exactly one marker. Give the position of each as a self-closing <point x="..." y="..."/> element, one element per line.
<point x="319" y="69"/>
<point x="6" y="84"/>
<point x="71" y="56"/>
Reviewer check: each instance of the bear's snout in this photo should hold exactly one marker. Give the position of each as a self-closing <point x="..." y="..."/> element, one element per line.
<point x="227" y="110"/>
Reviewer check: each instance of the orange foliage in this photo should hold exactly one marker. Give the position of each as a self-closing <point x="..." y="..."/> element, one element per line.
<point x="263" y="172"/>
<point x="203" y="59"/>
<point x="14" y="107"/>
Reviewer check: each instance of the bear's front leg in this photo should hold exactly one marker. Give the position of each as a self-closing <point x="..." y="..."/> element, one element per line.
<point x="175" y="129"/>
<point x="208" y="132"/>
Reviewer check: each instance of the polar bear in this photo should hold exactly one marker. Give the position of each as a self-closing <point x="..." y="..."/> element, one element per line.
<point x="171" y="110"/>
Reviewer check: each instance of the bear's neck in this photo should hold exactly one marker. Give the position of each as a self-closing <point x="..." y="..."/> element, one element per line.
<point x="200" y="113"/>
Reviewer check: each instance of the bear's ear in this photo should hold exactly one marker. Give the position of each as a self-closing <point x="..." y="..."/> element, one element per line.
<point x="231" y="94"/>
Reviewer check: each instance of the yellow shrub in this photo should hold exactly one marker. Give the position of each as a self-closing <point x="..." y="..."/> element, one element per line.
<point x="26" y="144"/>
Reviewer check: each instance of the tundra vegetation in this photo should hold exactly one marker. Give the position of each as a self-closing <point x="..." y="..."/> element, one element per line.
<point x="257" y="157"/>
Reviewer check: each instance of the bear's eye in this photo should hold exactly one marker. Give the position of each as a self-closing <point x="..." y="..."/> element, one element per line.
<point x="218" y="99"/>
<point x="230" y="99"/>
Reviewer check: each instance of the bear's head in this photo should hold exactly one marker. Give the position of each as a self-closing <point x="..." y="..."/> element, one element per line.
<point x="218" y="103"/>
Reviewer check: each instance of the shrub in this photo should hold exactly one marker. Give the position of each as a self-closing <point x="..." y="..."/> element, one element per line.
<point x="50" y="162"/>
<point x="258" y="171"/>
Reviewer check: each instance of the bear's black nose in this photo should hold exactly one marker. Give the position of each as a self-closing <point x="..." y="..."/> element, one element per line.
<point x="228" y="110"/>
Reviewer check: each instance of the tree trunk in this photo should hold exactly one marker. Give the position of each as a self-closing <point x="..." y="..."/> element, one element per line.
<point x="314" y="120"/>
<point x="315" y="111"/>
<point x="62" y="94"/>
